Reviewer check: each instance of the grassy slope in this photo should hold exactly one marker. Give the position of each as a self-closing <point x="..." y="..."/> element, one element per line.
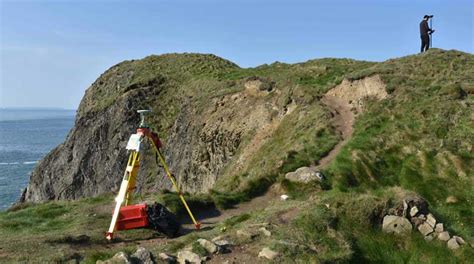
<point x="420" y="139"/>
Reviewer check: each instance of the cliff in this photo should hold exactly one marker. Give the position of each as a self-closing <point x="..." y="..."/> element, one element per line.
<point x="212" y="116"/>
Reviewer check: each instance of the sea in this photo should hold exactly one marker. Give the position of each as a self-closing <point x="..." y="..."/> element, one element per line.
<point x="26" y="136"/>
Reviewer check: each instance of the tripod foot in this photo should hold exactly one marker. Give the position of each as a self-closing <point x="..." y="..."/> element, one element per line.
<point x="109" y="236"/>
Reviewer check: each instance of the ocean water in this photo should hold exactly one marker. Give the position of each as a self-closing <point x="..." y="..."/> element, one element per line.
<point x="26" y="136"/>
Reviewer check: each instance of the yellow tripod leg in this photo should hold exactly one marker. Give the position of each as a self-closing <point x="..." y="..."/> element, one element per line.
<point x="132" y="179"/>
<point x="124" y="187"/>
<point x="173" y="181"/>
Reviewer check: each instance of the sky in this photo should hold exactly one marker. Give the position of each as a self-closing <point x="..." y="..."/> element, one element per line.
<point x="52" y="51"/>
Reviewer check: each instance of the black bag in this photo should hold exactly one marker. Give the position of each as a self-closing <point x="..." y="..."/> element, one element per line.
<point x="162" y="220"/>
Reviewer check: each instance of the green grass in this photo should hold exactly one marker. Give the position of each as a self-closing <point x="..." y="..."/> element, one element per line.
<point x="198" y="249"/>
<point x="420" y="138"/>
<point x="349" y="232"/>
<point x="417" y="140"/>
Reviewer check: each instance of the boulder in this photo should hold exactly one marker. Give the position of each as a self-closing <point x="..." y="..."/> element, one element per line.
<point x="430" y="237"/>
<point x="453" y="244"/>
<point x="425" y="229"/>
<point x="268" y="254"/>
<point x="265" y="231"/>
<point x="223" y="245"/>
<point x="187" y="256"/>
<point x="444" y="236"/>
<point x="119" y="258"/>
<point x="245" y="234"/>
<point x="167" y="258"/>
<point x="396" y="224"/>
<point x="460" y="240"/>
<point x="431" y="220"/>
<point x="451" y="199"/>
<point x="208" y="245"/>
<point x="405" y="208"/>
<point x="143" y="256"/>
<point x="439" y="228"/>
<point x="303" y="175"/>
<point x="416" y="221"/>
<point x="418" y="202"/>
<point x="413" y="211"/>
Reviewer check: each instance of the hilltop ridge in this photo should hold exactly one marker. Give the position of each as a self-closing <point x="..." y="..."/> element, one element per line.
<point x="380" y="132"/>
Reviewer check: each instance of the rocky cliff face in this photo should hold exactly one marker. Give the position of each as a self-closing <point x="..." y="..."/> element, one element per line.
<point x="201" y="135"/>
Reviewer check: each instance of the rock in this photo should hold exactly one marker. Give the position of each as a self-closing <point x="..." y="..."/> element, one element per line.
<point x="396" y="224"/>
<point x="413" y="211"/>
<point x="119" y="258"/>
<point x="460" y="240"/>
<point x="392" y="211"/>
<point x="451" y="199"/>
<point x="265" y="231"/>
<point x="422" y="217"/>
<point x="418" y="202"/>
<point x="217" y="238"/>
<point x="303" y="175"/>
<point x="439" y="228"/>
<point x="143" y="256"/>
<point x="244" y="234"/>
<point x="405" y="208"/>
<point x="256" y="84"/>
<point x="431" y="220"/>
<point x="425" y="229"/>
<point x="320" y="176"/>
<point x="430" y="237"/>
<point x="167" y="258"/>
<point x="416" y="221"/>
<point x="284" y="197"/>
<point x="453" y="244"/>
<point x="444" y="236"/>
<point x="223" y="243"/>
<point x="208" y="245"/>
<point x="187" y="256"/>
<point x="268" y="254"/>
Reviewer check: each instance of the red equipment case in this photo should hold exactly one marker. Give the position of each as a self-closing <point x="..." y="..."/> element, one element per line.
<point x="132" y="216"/>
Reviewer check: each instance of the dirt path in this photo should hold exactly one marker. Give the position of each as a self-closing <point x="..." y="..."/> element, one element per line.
<point x="343" y="119"/>
<point x="209" y="218"/>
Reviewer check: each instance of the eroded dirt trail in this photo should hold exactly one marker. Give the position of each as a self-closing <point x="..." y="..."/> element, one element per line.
<point x="343" y="120"/>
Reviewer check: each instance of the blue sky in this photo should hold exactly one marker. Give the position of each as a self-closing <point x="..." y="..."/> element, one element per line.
<point x="51" y="51"/>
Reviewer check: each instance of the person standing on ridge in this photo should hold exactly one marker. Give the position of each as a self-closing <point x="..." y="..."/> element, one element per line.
<point x="425" y="32"/>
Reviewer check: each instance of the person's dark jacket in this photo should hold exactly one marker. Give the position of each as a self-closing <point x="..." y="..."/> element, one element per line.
<point x="425" y="30"/>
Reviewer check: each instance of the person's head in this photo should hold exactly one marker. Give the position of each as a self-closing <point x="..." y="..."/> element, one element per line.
<point x="427" y="17"/>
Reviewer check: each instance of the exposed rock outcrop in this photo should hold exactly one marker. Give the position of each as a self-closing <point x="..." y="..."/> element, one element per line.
<point x="201" y="135"/>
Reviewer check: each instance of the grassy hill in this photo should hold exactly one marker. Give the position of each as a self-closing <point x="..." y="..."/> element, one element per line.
<point x="416" y="141"/>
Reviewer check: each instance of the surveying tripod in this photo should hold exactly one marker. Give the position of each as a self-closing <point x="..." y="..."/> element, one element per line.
<point x="129" y="178"/>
